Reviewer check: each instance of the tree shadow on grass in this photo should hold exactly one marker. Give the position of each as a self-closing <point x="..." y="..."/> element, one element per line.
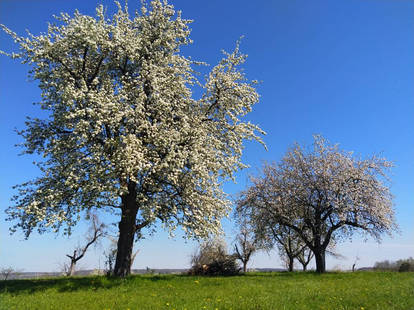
<point x="70" y="284"/>
<point x="285" y="274"/>
<point x="29" y="286"/>
<point x="156" y="278"/>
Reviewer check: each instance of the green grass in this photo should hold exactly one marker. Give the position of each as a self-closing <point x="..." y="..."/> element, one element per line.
<point x="360" y="290"/>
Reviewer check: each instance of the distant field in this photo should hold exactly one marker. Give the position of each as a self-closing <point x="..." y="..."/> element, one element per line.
<point x="359" y="290"/>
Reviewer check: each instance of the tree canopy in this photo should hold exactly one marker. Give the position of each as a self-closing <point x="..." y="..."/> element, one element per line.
<point x="125" y="131"/>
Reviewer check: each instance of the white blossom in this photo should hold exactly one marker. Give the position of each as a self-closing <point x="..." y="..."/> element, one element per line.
<point x="121" y="114"/>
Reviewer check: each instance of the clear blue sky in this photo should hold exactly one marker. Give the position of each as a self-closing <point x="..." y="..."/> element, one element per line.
<point x="343" y="69"/>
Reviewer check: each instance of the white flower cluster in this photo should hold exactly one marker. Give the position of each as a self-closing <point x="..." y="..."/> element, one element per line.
<point x="123" y="123"/>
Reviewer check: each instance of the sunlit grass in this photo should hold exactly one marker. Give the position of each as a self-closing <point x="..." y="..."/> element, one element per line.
<point x="360" y="290"/>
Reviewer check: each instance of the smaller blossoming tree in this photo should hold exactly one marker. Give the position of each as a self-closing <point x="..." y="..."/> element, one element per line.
<point x="322" y="194"/>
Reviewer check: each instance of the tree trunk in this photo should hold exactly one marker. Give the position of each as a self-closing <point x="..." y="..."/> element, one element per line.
<point x="127" y="228"/>
<point x="304" y="267"/>
<point x="320" y="260"/>
<point x="71" y="270"/>
<point x="291" y="261"/>
<point x="244" y="267"/>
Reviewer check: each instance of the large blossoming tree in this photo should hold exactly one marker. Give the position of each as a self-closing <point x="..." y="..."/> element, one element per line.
<point x="124" y="130"/>
<point x="323" y="195"/>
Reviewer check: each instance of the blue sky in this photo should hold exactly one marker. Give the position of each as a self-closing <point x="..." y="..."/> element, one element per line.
<point x="343" y="69"/>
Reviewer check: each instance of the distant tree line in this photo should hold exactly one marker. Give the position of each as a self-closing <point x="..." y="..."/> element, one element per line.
<point x="399" y="265"/>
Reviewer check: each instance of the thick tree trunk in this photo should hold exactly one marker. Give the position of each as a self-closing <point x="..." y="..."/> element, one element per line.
<point x="127" y="228"/>
<point x="290" y="266"/>
<point x="125" y="243"/>
<point x="244" y="267"/>
<point x="320" y="260"/>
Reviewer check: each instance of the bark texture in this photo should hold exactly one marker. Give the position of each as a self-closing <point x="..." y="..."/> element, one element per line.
<point x="320" y="260"/>
<point x="127" y="229"/>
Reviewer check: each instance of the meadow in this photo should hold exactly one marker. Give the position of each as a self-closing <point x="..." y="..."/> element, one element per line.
<point x="282" y="290"/>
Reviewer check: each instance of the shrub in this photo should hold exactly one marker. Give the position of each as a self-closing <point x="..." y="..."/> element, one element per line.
<point x="212" y="259"/>
<point x="405" y="266"/>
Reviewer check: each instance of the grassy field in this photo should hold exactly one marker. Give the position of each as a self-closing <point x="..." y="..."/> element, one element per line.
<point x="360" y="290"/>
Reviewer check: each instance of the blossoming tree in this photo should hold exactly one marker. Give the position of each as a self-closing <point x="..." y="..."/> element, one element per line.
<point x="322" y="194"/>
<point x="124" y="131"/>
